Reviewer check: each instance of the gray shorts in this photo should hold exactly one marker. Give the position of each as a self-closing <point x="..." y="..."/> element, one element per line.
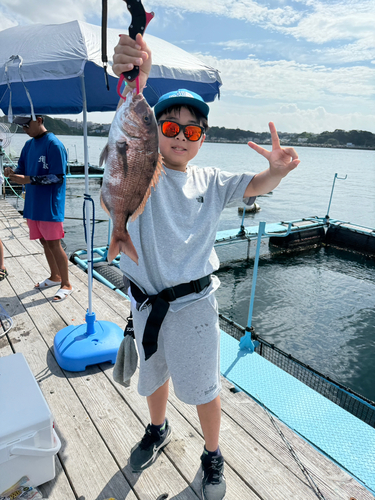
<point x="188" y="352"/>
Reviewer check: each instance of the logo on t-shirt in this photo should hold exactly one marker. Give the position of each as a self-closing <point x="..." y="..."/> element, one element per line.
<point x="200" y="199"/>
<point x="42" y="159"/>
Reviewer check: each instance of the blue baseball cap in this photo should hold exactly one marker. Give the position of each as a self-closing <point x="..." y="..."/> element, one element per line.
<point x="181" y="96"/>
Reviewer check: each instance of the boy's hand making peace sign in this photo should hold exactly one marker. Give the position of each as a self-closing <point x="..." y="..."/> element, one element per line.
<point x="281" y="160"/>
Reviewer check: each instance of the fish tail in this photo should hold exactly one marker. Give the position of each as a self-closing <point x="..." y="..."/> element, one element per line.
<point x="122" y="244"/>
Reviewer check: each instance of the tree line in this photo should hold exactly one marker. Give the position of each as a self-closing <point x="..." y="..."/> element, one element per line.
<point x="355" y="138"/>
<point x="337" y="138"/>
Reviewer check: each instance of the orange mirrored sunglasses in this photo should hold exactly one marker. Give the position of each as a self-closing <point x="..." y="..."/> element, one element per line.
<point x="172" y="129"/>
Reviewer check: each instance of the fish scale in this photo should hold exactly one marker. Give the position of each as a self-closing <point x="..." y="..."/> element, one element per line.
<point x="132" y="167"/>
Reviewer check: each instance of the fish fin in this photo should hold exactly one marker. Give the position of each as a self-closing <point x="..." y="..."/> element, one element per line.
<point x="155" y="179"/>
<point x="123" y="244"/>
<point x="104" y="155"/>
<point x="103" y="205"/>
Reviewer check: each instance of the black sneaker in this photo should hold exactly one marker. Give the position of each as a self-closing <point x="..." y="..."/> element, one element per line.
<point x="213" y="480"/>
<point x="144" y="453"/>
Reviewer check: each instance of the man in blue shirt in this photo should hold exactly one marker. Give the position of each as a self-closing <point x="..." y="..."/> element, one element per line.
<point x="42" y="168"/>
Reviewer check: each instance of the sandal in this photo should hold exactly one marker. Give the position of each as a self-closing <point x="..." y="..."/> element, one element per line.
<point x="62" y="294"/>
<point x="47" y="283"/>
<point x="3" y="274"/>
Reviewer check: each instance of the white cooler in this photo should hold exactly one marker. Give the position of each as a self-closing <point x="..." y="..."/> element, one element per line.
<point x="28" y="441"/>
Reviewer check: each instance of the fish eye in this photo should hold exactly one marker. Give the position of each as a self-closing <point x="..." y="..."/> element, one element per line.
<point x="146" y="119"/>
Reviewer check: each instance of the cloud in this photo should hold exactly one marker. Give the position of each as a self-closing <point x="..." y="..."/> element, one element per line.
<point x="334" y="33"/>
<point x="315" y="21"/>
<point x="361" y="50"/>
<point x="235" y="45"/>
<point x="248" y="116"/>
<point x="281" y="80"/>
<point x="299" y="96"/>
<point x="245" y="10"/>
<point x="343" y="20"/>
<point x="52" y="11"/>
<point x="288" y="108"/>
<point x="41" y="11"/>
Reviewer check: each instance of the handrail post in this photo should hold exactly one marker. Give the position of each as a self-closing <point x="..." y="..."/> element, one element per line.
<point x="333" y="187"/>
<point x="245" y="341"/>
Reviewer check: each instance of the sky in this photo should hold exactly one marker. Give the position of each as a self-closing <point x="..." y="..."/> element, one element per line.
<point x="306" y="65"/>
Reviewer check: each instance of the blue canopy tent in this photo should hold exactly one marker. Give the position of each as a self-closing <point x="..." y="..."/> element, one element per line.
<point x="57" y="69"/>
<point x="56" y="56"/>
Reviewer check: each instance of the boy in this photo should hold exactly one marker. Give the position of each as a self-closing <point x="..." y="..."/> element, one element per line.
<point x="174" y="238"/>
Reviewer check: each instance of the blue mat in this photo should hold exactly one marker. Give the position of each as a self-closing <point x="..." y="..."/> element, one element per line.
<point x="340" y="435"/>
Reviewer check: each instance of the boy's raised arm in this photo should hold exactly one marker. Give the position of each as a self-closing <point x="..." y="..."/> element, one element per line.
<point x="281" y="160"/>
<point x="130" y="53"/>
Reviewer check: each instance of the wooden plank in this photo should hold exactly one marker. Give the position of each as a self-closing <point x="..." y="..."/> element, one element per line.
<point x="15" y="226"/>
<point x="22" y="235"/>
<point x="18" y="246"/>
<point x="5" y="346"/>
<point x="111" y="298"/>
<point x="184" y="442"/>
<point x="187" y="444"/>
<point x="98" y="419"/>
<point x="117" y="427"/>
<point x="253" y="463"/>
<point x="120" y="427"/>
<point x="86" y="458"/>
<point x="107" y="304"/>
<point x="13" y="245"/>
<point x="335" y="489"/>
<point x="333" y="481"/>
<point x="59" y="487"/>
<point x="18" y="229"/>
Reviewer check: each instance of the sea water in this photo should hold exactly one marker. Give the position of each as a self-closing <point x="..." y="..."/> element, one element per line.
<point x="317" y="305"/>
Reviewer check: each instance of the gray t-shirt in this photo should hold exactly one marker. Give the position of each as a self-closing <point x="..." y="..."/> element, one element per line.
<point x="175" y="235"/>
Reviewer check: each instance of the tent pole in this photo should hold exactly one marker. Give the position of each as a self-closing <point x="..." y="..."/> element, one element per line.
<point x="87" y="205"/>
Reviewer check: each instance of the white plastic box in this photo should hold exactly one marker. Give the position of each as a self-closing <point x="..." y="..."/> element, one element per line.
<point x="28" y="441"/>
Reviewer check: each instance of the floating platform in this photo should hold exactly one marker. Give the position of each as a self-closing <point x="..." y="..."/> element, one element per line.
<point x="99" y="421"/>
<point x="286" y="235"/>
<point x="74" y="168"/>
<point x="351" y="237"/>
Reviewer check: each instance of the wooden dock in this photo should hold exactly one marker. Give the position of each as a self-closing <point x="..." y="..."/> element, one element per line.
<point x="99" y="421"/>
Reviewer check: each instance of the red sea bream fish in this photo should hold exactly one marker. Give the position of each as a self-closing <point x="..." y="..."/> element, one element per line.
<point x="133" y="166"/>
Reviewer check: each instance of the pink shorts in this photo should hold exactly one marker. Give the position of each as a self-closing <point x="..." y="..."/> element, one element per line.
<point x="40" y="229"/>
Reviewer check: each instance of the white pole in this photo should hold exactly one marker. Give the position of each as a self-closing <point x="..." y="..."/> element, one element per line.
<point x="87" y="205"/>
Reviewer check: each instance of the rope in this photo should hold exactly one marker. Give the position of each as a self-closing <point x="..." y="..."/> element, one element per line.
<point x="7" y="180"/>
<point x="87" y="197"/>
<point x="11" y="187"/>
<point x="306" y="473"/>
<point x="104" y="40"/>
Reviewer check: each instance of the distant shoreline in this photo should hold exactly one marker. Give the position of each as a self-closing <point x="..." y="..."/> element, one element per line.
<point x="299" y="144"/>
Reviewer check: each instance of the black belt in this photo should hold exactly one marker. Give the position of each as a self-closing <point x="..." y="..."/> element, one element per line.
<point x="160" y="306"/>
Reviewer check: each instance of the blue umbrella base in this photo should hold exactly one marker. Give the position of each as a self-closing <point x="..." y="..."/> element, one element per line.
<point x="77" y="347"/>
